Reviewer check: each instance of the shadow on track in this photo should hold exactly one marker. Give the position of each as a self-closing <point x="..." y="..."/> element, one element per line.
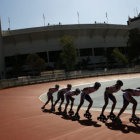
<point x="123" y="127"/>
<point x="47" y="110"/>
<point x="68" y="117"/>
<point x="89" y="123"/>
<point x="58" y="113"/>
<point x="85" y="122"/>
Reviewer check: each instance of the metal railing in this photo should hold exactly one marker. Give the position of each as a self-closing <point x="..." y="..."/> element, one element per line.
<point x="56" y="76"/>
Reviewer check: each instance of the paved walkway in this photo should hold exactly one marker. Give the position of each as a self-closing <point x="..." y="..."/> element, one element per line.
<point x="22" y="119"/>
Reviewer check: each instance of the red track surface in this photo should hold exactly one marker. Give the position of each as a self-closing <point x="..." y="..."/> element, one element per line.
<point x="22" y="119"/>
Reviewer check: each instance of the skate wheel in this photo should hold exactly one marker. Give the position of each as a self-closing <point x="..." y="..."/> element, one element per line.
<point x="136" y="121"/>
<point x="42" y="107"/>
<point x="76" y="117"/>
<point x="59" y="109"/>
<point x="71" y="112"/>
<point x="130" y="119"/>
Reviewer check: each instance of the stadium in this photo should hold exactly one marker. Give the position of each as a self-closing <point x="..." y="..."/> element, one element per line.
<point x="21" y="114"/>
<point x="91" y="40"/>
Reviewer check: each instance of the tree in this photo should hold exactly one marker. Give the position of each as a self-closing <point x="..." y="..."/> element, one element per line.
<point x="119" y="57"/>
<point x="69" y="53"/>
<point x="35" y="62"/>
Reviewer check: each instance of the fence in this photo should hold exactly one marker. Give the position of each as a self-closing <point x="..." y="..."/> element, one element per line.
<point x="61" y="75"/>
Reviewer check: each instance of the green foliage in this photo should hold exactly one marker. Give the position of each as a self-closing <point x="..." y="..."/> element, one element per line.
<point x="119" y="57"/>
<point x="69" y="53"/>
<point x="35" y="62"/>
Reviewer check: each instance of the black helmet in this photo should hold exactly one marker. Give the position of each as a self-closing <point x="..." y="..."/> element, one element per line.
<point x="97" y="84"/>
<point x="69" y="86"/>
<point x="119" y="82"/>
<point x="77" y="90"/>
<point x="56" y="86"/>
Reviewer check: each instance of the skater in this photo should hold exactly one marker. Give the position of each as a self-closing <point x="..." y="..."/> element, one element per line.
<point x="108" y="94"/>
<point x="85" y="96"/>
<point x="60" y="95"/>
<point x="127" y="98"/>
<point x="69" y="98"/>
<point x="50" y="97"/>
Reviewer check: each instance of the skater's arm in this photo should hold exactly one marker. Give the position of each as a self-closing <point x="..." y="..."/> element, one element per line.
<point x="127" y="90"/>
<point x="85" y="89"/>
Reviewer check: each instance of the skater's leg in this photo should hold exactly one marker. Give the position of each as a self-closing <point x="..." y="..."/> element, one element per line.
<point x="87" y="114"/>
<point x="79" y="106"/>
<point x="88" y="98"/>
<point x="52" y="101"/>
<point x="125" y="104"/>
<point x="56" y="101"/>
<point x="90" y="105"/>
<point x="106" y="103"/>
<point x="46" y="103"/>
<point x="67" y="100"/>
<point x="72" y="102"/>
<point x="134" y="102"/>
<point x="58" y="98"/>
<point x="113" y="99"/>
<point x="62" y="101"/>
<point x="81" y="102"/>
<point x="122" y="109"/>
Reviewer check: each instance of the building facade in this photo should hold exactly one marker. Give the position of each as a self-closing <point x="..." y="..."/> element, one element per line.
<point x="90" y="40"/>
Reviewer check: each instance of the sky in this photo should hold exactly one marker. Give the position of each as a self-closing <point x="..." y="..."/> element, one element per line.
<point x="19" y="14"/>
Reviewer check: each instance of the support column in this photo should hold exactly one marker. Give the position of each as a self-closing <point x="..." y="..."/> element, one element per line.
<point x="2" y="72"/>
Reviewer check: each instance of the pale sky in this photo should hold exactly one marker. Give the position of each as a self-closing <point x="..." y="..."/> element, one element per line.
<point x="29" y="13"/>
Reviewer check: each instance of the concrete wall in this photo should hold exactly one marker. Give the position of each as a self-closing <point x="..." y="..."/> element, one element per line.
<point x="86" y="36"/>
<point x="1" y="56"/>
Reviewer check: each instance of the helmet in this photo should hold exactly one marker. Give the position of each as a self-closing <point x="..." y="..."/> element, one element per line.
<point x="69" y="86"/>
<point x="77" y="90"/>
<point x="56" y="86"/>
<point x="119" y="82"/>
<point x="97" y="84"/>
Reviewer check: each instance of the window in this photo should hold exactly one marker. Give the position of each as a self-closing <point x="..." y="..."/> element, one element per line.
<point x="43" y="55"/>
<point x="15" y="60"/>
<point x="54" y="56"/>
<point x="123" y="50"/>
<point x="99" y="51"/>
<point x="86" y="52"/>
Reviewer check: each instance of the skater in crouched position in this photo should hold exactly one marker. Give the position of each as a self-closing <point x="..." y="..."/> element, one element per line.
<point x="127" y="98"/>
<point x="85" y="96"/>
<point x="108" y="94"/>
<point x="69" y="98"/>
<point x="60" y="95"/>
<point x="50" y="96"/>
